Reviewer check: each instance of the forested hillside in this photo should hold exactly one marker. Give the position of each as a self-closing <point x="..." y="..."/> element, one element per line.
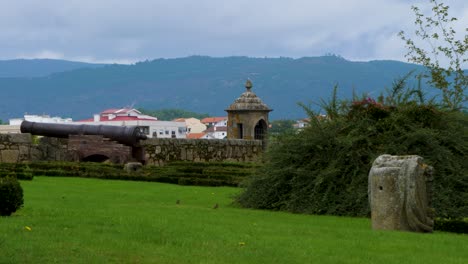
<point x="199" y="84"/>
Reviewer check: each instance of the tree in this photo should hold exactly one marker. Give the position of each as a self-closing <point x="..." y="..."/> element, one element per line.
<point x="170" y="114"/>
<point x="281" y="126"/>
<point x="436" y="31"/>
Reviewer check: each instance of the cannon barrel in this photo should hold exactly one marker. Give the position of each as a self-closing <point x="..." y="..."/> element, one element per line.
<point x="128" y="135"/>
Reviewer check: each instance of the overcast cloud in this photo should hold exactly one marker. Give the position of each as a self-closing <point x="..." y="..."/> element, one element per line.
<point x="125" y="31"/>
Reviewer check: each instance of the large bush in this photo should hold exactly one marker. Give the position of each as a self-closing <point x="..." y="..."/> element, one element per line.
<point x="11" y="195"/>
<point x="324" y="168"/>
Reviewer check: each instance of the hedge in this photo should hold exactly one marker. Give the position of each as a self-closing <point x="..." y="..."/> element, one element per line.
<point x="185" y="173"/>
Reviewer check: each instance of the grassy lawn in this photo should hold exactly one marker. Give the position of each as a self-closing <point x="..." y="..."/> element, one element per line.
<point x="76" y="220"/>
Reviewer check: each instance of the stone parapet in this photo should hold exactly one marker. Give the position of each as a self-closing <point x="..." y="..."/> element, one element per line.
<point x="161" y="151"/>
<point x="20" y="148"/>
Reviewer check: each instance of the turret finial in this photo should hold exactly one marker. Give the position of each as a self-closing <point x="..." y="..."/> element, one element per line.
<point x="248" y="85"/>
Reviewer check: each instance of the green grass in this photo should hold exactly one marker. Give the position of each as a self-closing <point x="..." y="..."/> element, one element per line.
<point x="76" y="220"/>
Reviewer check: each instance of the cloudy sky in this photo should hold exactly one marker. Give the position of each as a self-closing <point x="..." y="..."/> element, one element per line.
<point x="126" y="31"/>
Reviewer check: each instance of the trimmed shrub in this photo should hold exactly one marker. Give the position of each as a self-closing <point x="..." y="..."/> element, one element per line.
<point x="21" y="171"/>
<point x="184" y="173"/>
<point x="11" y="195"/>
<point x="451" y="225"/>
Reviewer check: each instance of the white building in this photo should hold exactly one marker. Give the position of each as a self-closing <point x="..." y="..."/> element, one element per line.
<point x="150" y="125"/>
<point x="217" y="127"/>
<point x="15" y="123"/>
<point x="215" y="132"/>
<point x="215" y="121"/>
<point x="194" y="125"/>
<point x="301" y="123"/>
<point x="39" y="119"/>
<point x="10" y="129"/>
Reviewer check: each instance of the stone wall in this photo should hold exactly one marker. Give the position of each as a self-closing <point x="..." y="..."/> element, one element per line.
<point x="20" y="148"/>
<point x="160" y="151"/>
<point x="15" y="148"/>
<point x="51" y="149"/>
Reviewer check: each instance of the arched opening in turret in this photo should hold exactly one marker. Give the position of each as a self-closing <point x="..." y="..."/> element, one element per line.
<point x="260" y="130"/>
<point x="95" y="158"/>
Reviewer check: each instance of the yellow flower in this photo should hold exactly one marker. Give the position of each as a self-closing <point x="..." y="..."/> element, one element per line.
<point x="28" y="228"/>
<point x="241" y="244"/>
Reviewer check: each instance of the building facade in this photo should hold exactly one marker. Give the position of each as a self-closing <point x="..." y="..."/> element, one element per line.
<point x="150" y="125"/>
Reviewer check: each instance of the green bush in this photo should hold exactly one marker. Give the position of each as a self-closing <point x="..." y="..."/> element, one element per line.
<point x="11" y="195"/>
<point x="324" y="168"/>
<point x="21" y="171"/>
<point x="184" y="173"/>
<point x="451" y="225"/>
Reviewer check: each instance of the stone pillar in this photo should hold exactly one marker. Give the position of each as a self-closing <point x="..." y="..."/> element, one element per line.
<point x="400" y="193"/>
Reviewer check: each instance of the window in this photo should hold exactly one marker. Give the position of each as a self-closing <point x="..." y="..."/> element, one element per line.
<point x="240" y="129"/>
<point x="173" y="135"/>
<point x="144" y="129"/>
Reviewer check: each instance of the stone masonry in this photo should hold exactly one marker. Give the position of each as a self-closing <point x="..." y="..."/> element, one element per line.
<point x="15" y="148"/>
<point x="161" y="151"/>
<point x="20" y="148"/>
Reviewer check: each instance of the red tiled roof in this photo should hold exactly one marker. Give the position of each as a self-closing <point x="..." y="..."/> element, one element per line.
<point x="118" y="118"/>
<point x="195" y="135"/>
<point x="213" y="119"/>
<point x="86" y="120"/>
<point x="118" y="111"/>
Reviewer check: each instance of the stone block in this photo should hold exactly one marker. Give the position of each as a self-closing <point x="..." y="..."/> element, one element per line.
<point x="133" y="167"/>
<point x="183" y="154"/>
<point x="10" y="156"/>
<point x="24" y="150"/>
<point x="189" y="154"/>
<point x="24" y="138"/>
<point x="400" y="194"/>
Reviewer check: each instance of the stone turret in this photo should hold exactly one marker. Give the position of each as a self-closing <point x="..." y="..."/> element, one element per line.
<point x="248" y="116"/>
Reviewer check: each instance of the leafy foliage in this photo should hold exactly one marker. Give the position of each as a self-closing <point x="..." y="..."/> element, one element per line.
<point x="21" y="171"/>
<point x="281" y="126"/>
<point x="171" y="114"/>
<point x="11" y="195"/>
<point x="435" y="30"/>
<point x="452" y="225"/>
<point x="324" y="168"/>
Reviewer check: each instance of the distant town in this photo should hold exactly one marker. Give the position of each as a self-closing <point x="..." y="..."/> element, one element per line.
<point x="214" y="127"/>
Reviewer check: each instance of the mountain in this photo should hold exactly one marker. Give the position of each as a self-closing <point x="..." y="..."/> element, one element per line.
<point x="200" y="84"/>
<point x="39" y="67"/>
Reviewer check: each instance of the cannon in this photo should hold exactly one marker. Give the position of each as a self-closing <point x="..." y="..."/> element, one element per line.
<point x="127" y="135"/>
